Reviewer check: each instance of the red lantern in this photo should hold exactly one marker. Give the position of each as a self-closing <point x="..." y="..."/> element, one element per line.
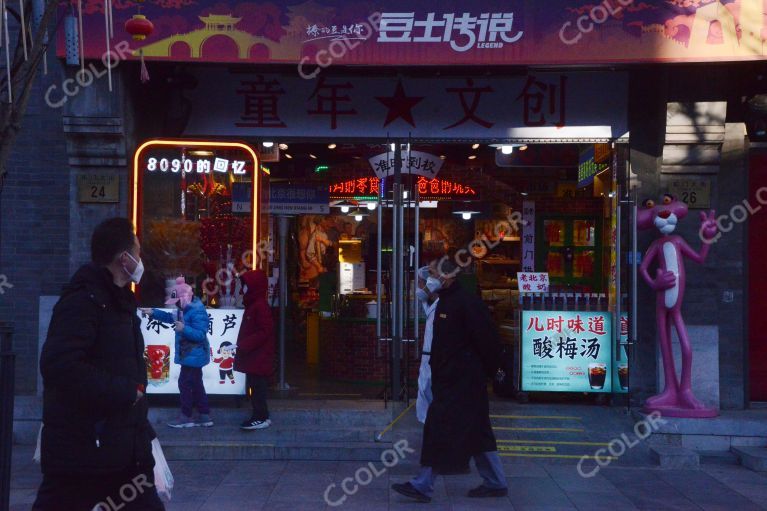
<point x="139" y="27"/>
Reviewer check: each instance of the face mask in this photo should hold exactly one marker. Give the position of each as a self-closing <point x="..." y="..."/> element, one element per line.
<point x="422" y="295"/>
<point x="245" y="289"/>
<point x="433" y="284"/>
<point x="138" y="272"/>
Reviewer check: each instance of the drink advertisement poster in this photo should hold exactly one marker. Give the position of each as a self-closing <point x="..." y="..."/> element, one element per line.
<point x="218" y="376"/>
<point x="621" y="360"/>
<point x="566" y="351"/>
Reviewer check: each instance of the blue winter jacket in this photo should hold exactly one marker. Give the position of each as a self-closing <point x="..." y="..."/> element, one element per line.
<point x="192" y="346"/>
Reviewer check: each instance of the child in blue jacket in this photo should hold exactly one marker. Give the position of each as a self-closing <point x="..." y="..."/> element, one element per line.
<point x="192" y="352"/>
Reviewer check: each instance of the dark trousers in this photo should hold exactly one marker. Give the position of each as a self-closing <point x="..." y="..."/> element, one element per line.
<point x="192" y="391"/>
<point x="257" y="386"/>
<point x="128" y="491"/>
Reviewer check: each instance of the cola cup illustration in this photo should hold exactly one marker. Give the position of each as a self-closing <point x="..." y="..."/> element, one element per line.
<point x="157" y="358"/>
<point x="597" y="374"/>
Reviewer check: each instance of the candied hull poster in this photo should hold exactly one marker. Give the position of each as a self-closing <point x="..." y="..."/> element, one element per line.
<point x="398" y="32"/>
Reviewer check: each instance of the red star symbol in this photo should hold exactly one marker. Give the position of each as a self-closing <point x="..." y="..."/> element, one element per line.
<point x="399" y="105"/>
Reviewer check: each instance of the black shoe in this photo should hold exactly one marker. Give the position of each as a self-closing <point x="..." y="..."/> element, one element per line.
<point x="484" y="491"/>
<point x="408" y="490"/>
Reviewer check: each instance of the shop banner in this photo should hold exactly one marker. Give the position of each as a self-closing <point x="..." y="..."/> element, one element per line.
<point x="218" y="376"/>
<point x="532" y="107"/>
<point x="566" y="351"/>
<point x="417" y="32"/>
<point x="528" y="235"/>
<point x="298" y="200"/>
<point x="413" y="162"/>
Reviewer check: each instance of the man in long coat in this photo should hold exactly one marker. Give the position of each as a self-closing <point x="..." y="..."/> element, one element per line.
<point x="465" y="350"/>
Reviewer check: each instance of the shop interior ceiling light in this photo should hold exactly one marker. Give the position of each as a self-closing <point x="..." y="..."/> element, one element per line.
<point x="289" y="157"/>
<point x="466" y="214"/>
<point x="473" y="157"/>
<point x="509" y="148"/>
<point x="371" y="206"/>
<point x="312" y="156"/>
<point x="200" y="152"/>
<point x="358" y="214"/>
<point x="267" y="144"/>
<point x="331" y="146"/>
<point x="475" y="146"/>
<point x="283" y="147"/>
<point x="344" y="205"/>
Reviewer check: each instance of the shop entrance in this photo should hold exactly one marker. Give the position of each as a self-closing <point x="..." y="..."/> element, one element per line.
<point x="543" y="211"/>
<point x="341" y="230"/>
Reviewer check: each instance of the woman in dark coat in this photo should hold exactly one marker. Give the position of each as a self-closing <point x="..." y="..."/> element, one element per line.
<point x="465" y="351"/>
<point x="255" y="347"/>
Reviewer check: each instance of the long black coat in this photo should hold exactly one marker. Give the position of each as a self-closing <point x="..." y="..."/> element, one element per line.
<point x="92" y="362"/>
<point x="465" y="350"/>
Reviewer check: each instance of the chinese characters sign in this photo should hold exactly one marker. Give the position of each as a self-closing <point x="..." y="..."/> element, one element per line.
<point x="413" y="162"/>
<point x="196" y="165"/>
<point x="428" y="189"/>
<point x="463" y="32"/>
<point x="420" y="33"/>
<point x="298" y="200"/>
<point x="566" y="351"/>
<point x="528" y="235"/>
<point x="218" y="376"/>
<point x="537" y="106"/>
<point x="533" y="282"/>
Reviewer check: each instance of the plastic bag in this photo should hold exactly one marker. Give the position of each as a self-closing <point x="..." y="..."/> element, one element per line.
<point x="163" y="478"/>
<point x="36" y="457"/>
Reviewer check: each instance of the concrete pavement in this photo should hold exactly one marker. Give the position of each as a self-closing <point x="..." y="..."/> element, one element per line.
<point x="534" y="484"/>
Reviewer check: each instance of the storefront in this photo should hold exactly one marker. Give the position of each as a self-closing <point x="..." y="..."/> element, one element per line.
<point x="429" y="161"/>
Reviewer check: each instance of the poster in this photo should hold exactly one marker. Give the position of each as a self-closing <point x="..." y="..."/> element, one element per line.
<point x="407" y="32"/>
<point x="620" y="372"/>
<point x="528" y="236"/>
<point x="530" y="282"/>
<point x="566" y="351"/>
<point x="218" y="376"/>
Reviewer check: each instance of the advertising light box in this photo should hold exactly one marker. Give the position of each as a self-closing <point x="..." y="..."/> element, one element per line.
<point x="218" y="376"/>
<point x="566" y="351"/>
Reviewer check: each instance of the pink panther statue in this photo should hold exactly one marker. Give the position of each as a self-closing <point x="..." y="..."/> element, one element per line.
<point x="676" y="399"/>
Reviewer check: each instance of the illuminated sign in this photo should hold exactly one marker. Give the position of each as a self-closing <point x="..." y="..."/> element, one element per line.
<point x="427" y="189"/>
<point x="444" y="189"/>
<point x="566" y="351"/>
<point x="201" y="166"/>
<point x="593" y="160"/>
<point x="158" y="156"/>
<point x="350" y="188"/>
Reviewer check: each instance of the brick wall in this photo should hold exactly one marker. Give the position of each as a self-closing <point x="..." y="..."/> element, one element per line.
<point x="34" y="223"/>
<point x="348" y="352"/>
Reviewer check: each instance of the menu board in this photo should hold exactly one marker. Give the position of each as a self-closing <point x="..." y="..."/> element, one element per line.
<point x="218" y="376"/>
<point x="566" y="351"/>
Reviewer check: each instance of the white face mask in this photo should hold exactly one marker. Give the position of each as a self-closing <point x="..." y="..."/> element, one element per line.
<point x="433" y="284"/>
<point x="138" y="272"/>
<point x="245" y="289"/>
<point x="422" y="295"/>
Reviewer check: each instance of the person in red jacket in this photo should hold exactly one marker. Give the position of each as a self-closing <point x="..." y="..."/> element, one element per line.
<point x="255" y="347"/>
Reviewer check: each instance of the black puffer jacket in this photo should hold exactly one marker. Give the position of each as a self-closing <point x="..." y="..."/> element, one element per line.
<point x="92" y="363"/>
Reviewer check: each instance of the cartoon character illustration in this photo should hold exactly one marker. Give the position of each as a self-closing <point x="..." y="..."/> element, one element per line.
<point x="676" y="399"/>
<point x="225" y="361"/>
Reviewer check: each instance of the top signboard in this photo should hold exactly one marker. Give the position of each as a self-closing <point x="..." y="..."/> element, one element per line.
<point x="317" y="34"/>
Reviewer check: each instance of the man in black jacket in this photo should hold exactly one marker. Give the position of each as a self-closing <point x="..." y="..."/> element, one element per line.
<point x="96" y="439"/>
<point x="464" y="352"/>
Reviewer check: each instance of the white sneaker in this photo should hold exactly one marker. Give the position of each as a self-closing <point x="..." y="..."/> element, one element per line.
<point x="250" y="425"/>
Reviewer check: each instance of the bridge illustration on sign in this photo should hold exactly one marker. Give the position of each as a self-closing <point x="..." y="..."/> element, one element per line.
<point x="221" y="37"/>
